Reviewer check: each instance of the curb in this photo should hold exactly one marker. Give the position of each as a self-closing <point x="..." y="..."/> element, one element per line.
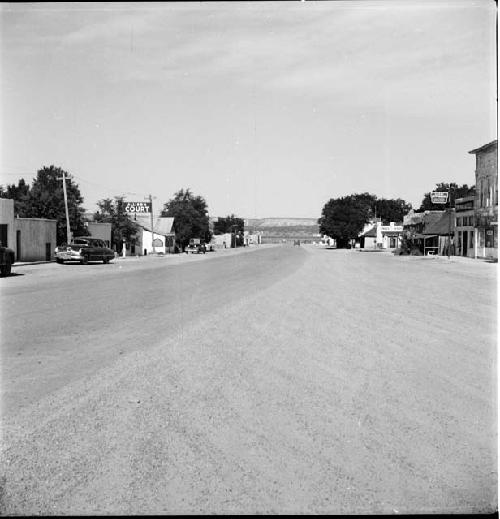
<point x="28" y="263"/>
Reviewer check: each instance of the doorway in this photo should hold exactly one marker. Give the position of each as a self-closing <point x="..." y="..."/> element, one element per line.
<point x="18" y="245"/>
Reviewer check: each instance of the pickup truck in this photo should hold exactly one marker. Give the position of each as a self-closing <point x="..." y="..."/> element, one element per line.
<point x="7" y="258"/>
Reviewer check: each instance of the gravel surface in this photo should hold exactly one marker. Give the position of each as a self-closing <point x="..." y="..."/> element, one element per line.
<point x="345" y="383"/>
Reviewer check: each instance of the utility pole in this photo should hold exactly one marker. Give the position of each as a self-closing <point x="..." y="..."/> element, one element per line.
<point x="68" y="230"/>
<point x="449" y="222"/>
<point x="152" y="233"/>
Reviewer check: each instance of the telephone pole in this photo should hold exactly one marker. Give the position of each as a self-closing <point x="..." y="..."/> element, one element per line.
<point x="152" y="232"/>
<point x="68" y="230"/>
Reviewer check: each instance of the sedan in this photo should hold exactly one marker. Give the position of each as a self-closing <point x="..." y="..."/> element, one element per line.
<point x="84" y="250"/>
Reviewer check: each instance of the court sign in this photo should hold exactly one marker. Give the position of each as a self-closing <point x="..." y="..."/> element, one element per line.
<point x="138" y="207"/>
<point x="439" y="197"/>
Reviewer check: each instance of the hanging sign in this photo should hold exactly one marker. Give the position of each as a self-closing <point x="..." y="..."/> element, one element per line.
<point x="138" y="207"/>
<point x="439" y="197"/>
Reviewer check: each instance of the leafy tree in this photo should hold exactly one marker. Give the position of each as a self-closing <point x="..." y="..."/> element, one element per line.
<point x="390" y="210"/>
<point x="46" y="200"/>
<point x="113" y="212"/>
<point x="190" y="215"/>
<point x="344" y="218"/>
<point x="455" y="191"/>
<point x="229" y="224"/>
<point x="20" y="194"/>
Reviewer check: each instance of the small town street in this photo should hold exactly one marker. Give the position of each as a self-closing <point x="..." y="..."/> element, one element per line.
<point x="277" y="379"/>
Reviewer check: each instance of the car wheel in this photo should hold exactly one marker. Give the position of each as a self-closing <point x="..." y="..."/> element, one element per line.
<point x="60" y="261"/>
<point x="105" y="260"/>
<point x="5" y="269"/>
<point x="85" y="260"/>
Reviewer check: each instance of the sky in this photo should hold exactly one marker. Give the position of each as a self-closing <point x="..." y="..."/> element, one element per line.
<point x="266" y="109"/>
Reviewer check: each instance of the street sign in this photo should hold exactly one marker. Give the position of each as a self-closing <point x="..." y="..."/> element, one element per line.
<point x="138" y="207"/>
<point x="439" y="197"/>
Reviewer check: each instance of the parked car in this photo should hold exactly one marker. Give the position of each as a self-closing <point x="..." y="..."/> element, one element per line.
<point x="7" y="258"/>
<point x="84" y="249"/>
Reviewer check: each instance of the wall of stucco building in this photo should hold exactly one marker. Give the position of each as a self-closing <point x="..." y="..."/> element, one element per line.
<point x="7" y="223"/>
<point x="36" y="239"/>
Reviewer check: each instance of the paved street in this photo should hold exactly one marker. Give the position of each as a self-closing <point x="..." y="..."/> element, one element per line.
<point x="271" y="380"/>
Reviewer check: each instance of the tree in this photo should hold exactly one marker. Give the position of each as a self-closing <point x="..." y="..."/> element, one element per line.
<point x="113" y="212"/>
<point x="190" y="215"/>
<point x="390" y="210"/>
<point x="454" y="190"/>
<point x="229" y="224"/>
<point x="20" y="194"/>
<point x="344" y="218"/>
<point x="45" y="199"/>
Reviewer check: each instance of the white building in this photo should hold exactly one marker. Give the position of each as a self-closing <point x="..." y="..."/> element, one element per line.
<point x="162" y="236"/>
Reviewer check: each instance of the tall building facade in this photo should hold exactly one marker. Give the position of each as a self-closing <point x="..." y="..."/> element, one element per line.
<point x="486" y="200"/>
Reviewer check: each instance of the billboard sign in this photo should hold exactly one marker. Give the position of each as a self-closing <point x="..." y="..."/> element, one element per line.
<point x="439" y="197"/>
<point x="138" y="207"/>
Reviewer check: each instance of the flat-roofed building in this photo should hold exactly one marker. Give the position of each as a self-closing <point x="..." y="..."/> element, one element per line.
<point x="486" y="200"/>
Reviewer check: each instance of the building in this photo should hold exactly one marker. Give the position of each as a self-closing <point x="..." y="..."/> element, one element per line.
<point x="414" y="226"/>
<point x="464" y="226"/>
<point x="161" y="237"/>
<point x="382" y="236"/>
<point x="100" y="230"/>
<point x="368" y="238"/>
<point x="31" y="239"/>
<point x="486" y="201"/>
<point x="438" y="236"/>
<point x="390" y="236"/>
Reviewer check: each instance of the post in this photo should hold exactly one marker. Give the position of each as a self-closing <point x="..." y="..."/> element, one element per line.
<point x="68" y="230"/>
<point x="449" y="223"/>
<point x="152" y="232"/>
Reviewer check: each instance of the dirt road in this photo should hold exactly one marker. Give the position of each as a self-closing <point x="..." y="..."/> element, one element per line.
<point x="342" y="382"/>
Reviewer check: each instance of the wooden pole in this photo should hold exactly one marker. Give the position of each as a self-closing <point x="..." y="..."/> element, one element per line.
<point x="68" y="230"/>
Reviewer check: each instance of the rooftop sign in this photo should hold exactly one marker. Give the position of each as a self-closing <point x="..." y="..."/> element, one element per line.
<point x="439" y="197"/>
<point x="138" y="207"/>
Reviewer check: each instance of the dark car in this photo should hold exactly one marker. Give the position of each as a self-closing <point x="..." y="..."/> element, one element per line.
<point x="7" y="257"/>
<point x="198" y="248"/>
<point x="84" y="249"/>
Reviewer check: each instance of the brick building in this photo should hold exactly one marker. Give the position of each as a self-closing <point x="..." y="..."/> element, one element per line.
<point x="486" y="200"/>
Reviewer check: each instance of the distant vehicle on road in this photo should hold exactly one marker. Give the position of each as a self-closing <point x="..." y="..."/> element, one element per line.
<point x="196" y="246"/>
<point x="196" y="249"/>
<point x="84" y="249"/>
<point x="7" y="258"/>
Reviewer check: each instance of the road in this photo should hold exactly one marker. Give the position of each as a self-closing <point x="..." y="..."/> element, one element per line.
<point x="279" y="380"/>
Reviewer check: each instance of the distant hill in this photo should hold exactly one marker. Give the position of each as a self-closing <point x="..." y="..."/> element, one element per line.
<point x="274" y="230"/>
<point x="281" y="222"/>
